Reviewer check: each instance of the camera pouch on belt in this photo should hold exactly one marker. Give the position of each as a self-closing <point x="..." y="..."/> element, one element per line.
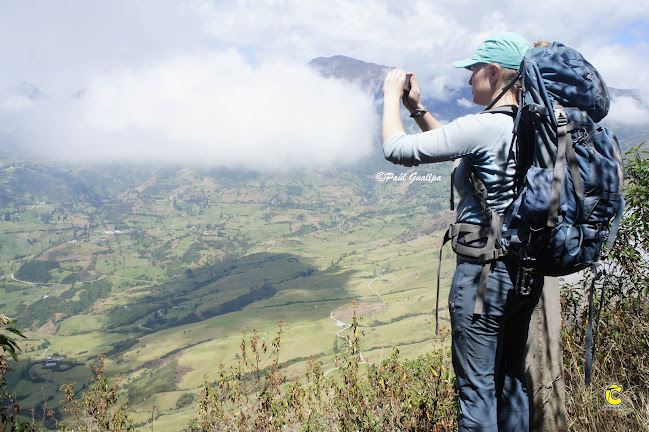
<point x="528" y="279"/>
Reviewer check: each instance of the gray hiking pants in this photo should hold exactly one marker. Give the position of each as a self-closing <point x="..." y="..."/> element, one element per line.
<point x="489" y="350"/>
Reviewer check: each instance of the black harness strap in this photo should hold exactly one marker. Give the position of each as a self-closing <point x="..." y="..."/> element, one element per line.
<point x="591" y="339"/>
<point x="505" y="90"/>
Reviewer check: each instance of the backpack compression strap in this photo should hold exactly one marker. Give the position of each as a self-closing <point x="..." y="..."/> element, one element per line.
<point x="616" y="224"/>
<point x="565" y="152"/>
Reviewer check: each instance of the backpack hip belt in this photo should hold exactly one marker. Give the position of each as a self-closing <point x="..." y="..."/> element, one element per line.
<point x="487" y="250"/>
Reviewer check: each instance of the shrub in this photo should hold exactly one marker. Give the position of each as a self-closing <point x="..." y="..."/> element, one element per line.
<point x="407" y="395"/>
<point x="184" y="400"/>
<point x="621" y="329"/>
<point x="99" y="408"/>
<point x="9" y="408"/>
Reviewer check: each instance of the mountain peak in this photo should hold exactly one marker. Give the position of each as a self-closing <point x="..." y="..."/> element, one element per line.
<point x="369" y="75"/>
<point x="340" y="66"/>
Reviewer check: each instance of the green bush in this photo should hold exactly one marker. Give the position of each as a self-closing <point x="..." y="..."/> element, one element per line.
<point x="411" y="395"/>
<point x="620" y="333"/>
<point x="9" y="408"/>
<point x="184" y="400"/>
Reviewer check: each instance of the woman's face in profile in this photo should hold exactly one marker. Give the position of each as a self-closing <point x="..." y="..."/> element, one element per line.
<point x="480" y="85"/>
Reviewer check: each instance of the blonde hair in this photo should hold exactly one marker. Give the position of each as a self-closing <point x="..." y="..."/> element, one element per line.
<point x="507" y="76"/>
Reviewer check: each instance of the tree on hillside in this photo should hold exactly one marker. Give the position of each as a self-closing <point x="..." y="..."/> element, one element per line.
<point x="36" y="271"/>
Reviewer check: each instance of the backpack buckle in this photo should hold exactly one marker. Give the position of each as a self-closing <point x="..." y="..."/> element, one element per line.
<point x="561" y="116"/>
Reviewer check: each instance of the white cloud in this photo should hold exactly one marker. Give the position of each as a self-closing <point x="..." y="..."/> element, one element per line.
<point x="623" y="66"/>
<point x="464" y="102"/>
<point x="628" y="110"/>
<point x="212" y="108"/>
<point x="14" y="102"/>
<point x="164" y="72"/>
<point x="55" y="45"/>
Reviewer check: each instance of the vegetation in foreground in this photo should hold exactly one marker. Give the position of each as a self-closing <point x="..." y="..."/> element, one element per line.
<point x="410" y="395"/>
<point x="255" y="395"/>
<point x="398" y="394"/>
<point x="621" y="328"/>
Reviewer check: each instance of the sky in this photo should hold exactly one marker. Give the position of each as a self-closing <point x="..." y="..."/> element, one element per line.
<point x="225" y="83"/>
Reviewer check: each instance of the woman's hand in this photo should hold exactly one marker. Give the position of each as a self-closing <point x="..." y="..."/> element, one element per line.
<point x="393" y="87"/>
<point x="393" y="84"/>
<point x="412" y="99"/>
<point x="392" y="94"/>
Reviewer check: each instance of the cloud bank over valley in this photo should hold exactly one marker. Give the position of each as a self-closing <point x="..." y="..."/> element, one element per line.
<point x="226" y="83"/>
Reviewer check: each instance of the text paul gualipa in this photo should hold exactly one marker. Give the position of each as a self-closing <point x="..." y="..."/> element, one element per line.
<point x="413" y="177"/>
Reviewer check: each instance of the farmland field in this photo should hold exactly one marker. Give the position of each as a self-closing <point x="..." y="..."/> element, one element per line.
<point x="161" y="270"/>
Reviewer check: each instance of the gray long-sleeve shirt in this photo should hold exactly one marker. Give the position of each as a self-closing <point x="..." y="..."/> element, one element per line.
<point x="483" y="141"/>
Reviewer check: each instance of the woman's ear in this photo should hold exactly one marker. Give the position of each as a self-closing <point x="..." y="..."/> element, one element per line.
<point x="495" y="71"/>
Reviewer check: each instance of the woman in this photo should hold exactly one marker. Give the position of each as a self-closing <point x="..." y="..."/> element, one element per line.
<point x="488" y="348"/>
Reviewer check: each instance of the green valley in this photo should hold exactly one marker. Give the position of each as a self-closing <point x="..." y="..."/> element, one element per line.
<point x="161" y="269"/>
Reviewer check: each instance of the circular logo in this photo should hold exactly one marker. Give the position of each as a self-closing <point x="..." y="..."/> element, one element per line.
<point x="612" y="393"/>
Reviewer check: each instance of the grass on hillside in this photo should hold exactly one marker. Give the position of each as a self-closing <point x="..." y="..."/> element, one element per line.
<point x="319" y="241"/>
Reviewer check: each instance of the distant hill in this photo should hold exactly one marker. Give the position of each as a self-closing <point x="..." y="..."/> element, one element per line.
<point x="369" y="75"/>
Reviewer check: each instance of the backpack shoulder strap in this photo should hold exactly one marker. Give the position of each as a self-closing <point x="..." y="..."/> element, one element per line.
<point x="510" y="110"/>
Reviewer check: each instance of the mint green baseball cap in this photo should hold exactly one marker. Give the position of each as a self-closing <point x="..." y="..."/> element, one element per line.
<point x="506" y="49"/>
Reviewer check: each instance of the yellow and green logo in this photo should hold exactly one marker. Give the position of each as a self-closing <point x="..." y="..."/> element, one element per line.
<point x="613" y="394"/>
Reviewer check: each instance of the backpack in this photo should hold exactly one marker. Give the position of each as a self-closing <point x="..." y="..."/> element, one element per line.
<point x="572" y="188"/>
<point x="569" y="176"/>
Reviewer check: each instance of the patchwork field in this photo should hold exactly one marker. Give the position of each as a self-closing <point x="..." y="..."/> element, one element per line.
<point x="163" y="270"/>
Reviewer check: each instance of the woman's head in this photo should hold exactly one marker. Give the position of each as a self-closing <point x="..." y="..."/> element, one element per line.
<point x="495" y="64"/>
<point x="504" y="49"/>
